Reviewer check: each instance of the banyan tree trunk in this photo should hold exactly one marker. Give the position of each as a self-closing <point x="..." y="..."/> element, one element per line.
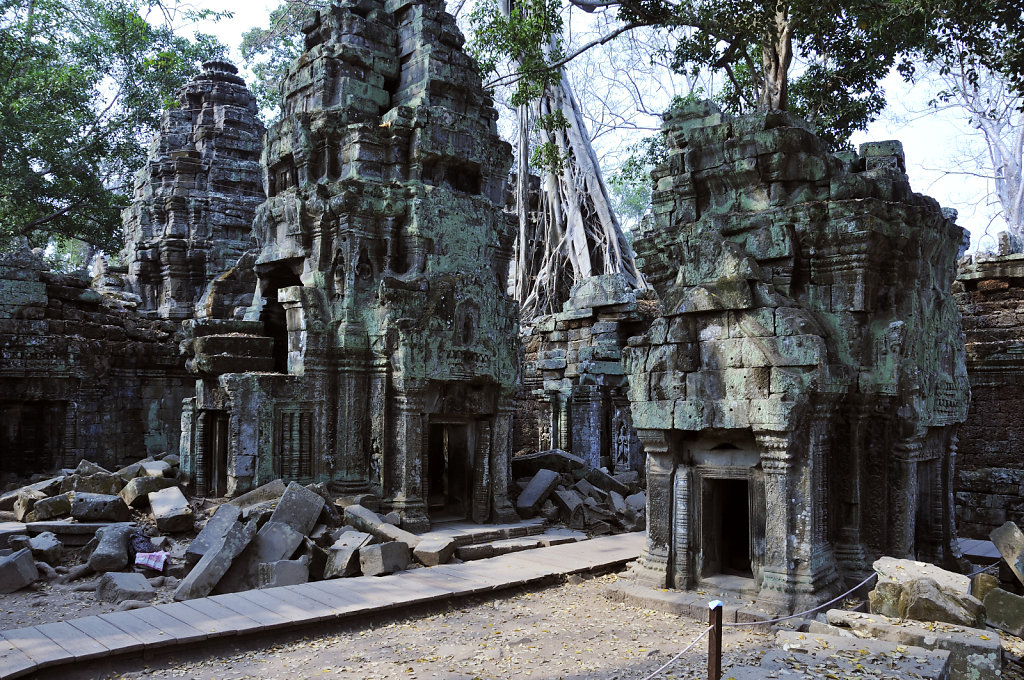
<point x="567" y="230"/>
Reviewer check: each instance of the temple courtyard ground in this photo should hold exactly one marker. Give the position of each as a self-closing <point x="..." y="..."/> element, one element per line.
<point x="565" y="630"/>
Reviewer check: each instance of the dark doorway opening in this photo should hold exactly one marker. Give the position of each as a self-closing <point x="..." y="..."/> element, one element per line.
<point x="273" y="315"/>
<point x="449" y="488"/>
<point x="30" y="436"/>
<point x="727" y="527"/>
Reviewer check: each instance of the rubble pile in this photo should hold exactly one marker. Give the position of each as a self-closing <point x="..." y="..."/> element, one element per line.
<point x="558" y="486"/>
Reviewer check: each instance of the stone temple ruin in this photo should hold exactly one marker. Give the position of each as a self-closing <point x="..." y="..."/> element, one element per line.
<point x="799" y="395"/>
<point x="328" y="306"/>
<point x="379" y="353"/>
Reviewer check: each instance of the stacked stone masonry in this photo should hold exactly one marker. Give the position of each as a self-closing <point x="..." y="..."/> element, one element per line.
<point x="806" y="378"/>
<point x="193" y="204"/>
<point x="990" y="472"/>
<point x="81" y="376"/>
<point x="379" y="354"/>
<point x="573" y="390"/>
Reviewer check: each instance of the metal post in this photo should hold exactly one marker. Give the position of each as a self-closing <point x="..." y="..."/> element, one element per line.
<point x="715" y="640"/>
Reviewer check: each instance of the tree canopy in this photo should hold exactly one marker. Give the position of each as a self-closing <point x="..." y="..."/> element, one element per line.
<point x="82" y="84"/>
<point x="817" y="58"/>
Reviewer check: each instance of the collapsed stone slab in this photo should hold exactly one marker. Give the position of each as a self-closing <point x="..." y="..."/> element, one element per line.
<point x="94" y="507"/>
<point x="283" y="573"/>
<point x="1005" y="611"/>
<point x="17" y="570"/>
<point x="215" y="562"/>
<point x="274" y="541"/>
<point x="383" y="558"/>
<point x="111" y="551"/>
<point x="171" y="510"/>
<point x="343" y="555"/>
<point x="368" y="521"/>
<point x="538" y="490"/>
<point x="136" y="492"/>
<point x="1009" y="541"/>
<point x="212" y="532"/>
<point x="120" y="586"/>
<point x="299" y="508"/>
<point x="434" y="550"/>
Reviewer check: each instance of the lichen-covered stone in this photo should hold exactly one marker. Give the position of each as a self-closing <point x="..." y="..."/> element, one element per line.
<point x="807" y="346"/>
<point x="379" y="354"/>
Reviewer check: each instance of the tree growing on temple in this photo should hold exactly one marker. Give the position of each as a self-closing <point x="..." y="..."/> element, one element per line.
<point x="82" y="83"/>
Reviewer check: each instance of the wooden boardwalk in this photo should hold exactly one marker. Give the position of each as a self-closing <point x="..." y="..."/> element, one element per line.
<point x="25" y="650"/>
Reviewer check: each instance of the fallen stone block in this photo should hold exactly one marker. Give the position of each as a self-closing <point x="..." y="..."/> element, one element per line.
<point x="299" y="508"/>
<point x="343" y="555"/>
<point x="631" y="478"/>
<point x="94" y="507"/>
<point x="274" y="541"/>
<point x="383" y="558"/>
<point x="924" y="600"/>
<point x="367" y="500"/>
<point x="24" y="504"/>
<point x="17" y="570"/>
<point x="157" y="468"/>
<point x="87" y="467"/>
<point x="1009" y="541"/>
<point x="368" y="521"/>
<point x="982" y="584"/>
<point x="111" y="551"/>
<point x="135" y="493"/>
<point x="553" y="459"/>
<point x="261" y="494"/>
<point x="47" y="487"/>
<point x="46" y="547"/>
<point x="434" y="550"/>
<point x="973" y="654"/>
<point x="49" y="508"/>
<point x="637" y="501"/>
<point x="107" y="483"/>
<point x="212" y="533"/>
<point x="538" y="490"/>
<point x="283" y="573"/>
<point x="1005" y="611"/>
<point x="905" y="571"/>
<point x="884" y="599"/>
<point x="617" y="501"/>
<point x="172" y="459"/>
<point x="118" y="586"/>
<point x="588" y="490"/>
<point x="171" y="510"/>
<point x="604" y="481"/>
<point x="130" y="472"/>
<point x="215" y="562"/>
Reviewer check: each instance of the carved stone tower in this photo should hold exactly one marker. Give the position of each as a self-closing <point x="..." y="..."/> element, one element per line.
<point x="194" y="200"/>
<point x="381" y="323"/>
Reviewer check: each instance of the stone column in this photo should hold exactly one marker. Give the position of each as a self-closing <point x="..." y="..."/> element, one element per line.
<point x="777" y="587"/>
<point x="176" y="302"/>
<point x="903" y="495"/>
<point x="681" y="574"/>
<point x="351" y="473"/>
<point x="407" y="451"/>
<point x="501" y="465"/>
<point x="654" y="559"/>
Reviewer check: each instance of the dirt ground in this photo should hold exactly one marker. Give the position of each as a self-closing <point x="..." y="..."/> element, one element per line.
<point x="567" y="630"/>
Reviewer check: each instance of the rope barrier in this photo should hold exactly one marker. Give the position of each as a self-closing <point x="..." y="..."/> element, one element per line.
<point x="676" y="657"/>
<point x="800" y="614"/>
<point x="989" y="567"/>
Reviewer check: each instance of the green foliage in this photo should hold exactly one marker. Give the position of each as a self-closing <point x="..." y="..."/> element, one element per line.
<point x="82" y="83"/>
<point x="268" y="52"/>
<point x="529" y="35"/>
<point x="631" y="184"/>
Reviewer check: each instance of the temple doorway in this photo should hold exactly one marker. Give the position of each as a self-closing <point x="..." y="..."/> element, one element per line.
<point x="726" y="523"/>
<point x="449" y="486"/>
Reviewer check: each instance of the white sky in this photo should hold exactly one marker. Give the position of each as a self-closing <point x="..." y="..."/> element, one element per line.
<point x="932" y="141"/>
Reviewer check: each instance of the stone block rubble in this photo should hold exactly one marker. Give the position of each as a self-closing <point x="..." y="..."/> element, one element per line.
<point x="586" y="499"/>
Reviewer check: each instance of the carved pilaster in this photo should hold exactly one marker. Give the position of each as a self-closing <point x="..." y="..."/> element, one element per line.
<point x="903" y="495"/>
<point x="777" y="587"/>
<point x="501" y="461"/>
<point x="408" y="449"/>
<point x="654" y="559"/>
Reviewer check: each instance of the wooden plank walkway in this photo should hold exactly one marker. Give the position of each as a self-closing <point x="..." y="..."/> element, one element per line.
<point x="26" y="650"/>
